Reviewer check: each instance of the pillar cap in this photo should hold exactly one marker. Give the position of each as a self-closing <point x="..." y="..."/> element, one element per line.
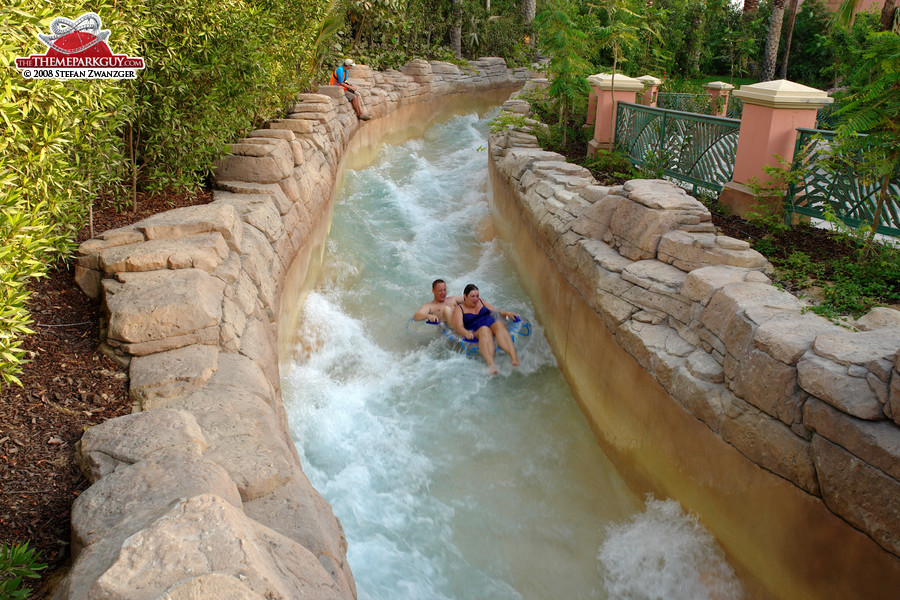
<point x="649" y="80"/>
<point x="623" y="83"/>
<point x="719" y="85"/>
<point x="783" y="94"/>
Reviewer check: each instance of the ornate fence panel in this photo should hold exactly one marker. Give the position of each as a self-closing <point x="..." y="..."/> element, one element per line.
<point x="692" y="103"/>
<point x="735" y="107"/>
<point x="691" y="148"/>
<point x="840" y="191"/>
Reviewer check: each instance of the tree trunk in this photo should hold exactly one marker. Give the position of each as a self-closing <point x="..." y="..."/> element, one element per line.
<point x="697" y="43"/>
<point x="793" y="7"/>
<point x="887" y="15"/>
<point x="771" y="55"/>
<point x="882" y="196"/>
<point x="134" y="167"/>
<point x="528" y="10"/>
<point x="751" y="6"/>
<point x="612" y="90"/>
<point x="456" y="31"/>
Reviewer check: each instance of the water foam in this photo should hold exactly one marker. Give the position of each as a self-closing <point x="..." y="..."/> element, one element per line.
<point x="663" y="553"/>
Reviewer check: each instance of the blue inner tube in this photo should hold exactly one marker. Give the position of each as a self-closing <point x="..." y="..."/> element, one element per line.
<point x="519" y="330"/>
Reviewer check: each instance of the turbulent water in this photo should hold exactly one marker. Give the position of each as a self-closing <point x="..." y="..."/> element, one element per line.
<point x="451" y="483"/>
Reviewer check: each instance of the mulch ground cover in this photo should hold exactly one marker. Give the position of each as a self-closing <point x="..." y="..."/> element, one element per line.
<point x="67" y="386"/>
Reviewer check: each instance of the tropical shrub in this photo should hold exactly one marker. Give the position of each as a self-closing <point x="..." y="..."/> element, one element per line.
<point x="213" y="70"/>
<point x="17" y="563"/>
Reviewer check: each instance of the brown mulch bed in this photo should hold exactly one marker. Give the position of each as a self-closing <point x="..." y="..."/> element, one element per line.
<point x="67" y="386"/>
<point x="819" y="243"/>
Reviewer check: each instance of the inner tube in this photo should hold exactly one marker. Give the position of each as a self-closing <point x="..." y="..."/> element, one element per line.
<point x="519" y="330"/>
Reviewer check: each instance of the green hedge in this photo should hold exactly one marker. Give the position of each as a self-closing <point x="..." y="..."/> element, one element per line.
<point x="213" y="70"/>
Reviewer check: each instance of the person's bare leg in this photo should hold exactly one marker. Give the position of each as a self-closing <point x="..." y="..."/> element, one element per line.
<point x="504" y="340"/>
<point x="486" y="347"/>
<point x="357" y="106"/>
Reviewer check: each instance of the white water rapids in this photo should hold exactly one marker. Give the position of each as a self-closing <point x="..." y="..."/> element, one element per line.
<point x="450" y="483"/>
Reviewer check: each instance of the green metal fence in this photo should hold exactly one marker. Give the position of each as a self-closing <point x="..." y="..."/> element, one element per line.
<point x="691" y="148"/>
<point x="838" y="190"/>
<point x="685" y="102"/>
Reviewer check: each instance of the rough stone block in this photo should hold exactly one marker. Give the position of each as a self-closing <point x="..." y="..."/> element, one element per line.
<point x="689" y="251"/>
<point x="769" y="443"/>
<point x="704" y="400"/>
<point x="863" y="495"/>
<point x="874" y="350"/>
<point x="192" y="220"/>
<point x="880" y="317"/>
<point x="296" y="510"/>
<point x="133" y="496"/>
<point x="203" y="251"/>
<point x="160" y="304"/>
<point x="131" y="438"/>
<point x="770" y="385"/>
<point x="703" y="366"/>
<point x="259" y="163"/>
<point x="635" y="230"/>
<point x="205" y="534"/>
<point x="789" y="337"/>
<point x="173" y="373"/>
<point x="257" y="466"/>
<point x="700" y="284"/>
<point x="120" y="236"/>
<point x="211" y="585"/>
<point x="832" y="383"/>
<point x="876" y="443"/>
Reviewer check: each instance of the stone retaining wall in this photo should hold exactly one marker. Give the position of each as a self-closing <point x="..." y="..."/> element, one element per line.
<point x="812" y="403"/>
<point x="200" y="492"/>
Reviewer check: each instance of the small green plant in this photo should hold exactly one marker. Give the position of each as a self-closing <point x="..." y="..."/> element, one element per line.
<point x="799" y="268"/>
<point x="613" y="163"/>
<point x="506" y="120"/>
<point x="770" y="193"/>
<point x="655" y="161"/>
<point x="17" y="563"/>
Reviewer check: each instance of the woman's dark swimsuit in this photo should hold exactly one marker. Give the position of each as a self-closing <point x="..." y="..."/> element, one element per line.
<point x="473" y="322"/>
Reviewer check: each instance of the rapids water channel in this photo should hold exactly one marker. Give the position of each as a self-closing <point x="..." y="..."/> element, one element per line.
<point x="451" y="483"/>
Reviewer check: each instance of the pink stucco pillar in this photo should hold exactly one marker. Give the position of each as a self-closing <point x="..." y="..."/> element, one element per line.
<point x="772" y="113"/>
<point x="651" y="89"/>
<point x="719" y="92"/>
<point x="592" y="107"/>
<point x="609" y="92"/>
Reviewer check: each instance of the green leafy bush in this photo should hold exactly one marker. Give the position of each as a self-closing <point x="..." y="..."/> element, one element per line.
<point x="213" y="70"/>
<point x="17" y="563"/>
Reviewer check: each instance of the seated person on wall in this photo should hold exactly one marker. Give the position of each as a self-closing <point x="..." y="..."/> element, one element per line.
<point x="339" y="77"/>
<point x="473" y="318"/>
<point x="439" y="309"/>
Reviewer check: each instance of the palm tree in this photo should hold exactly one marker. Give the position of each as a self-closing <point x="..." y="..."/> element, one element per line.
<point x="528" y="10"/>
<point x="456" y="30"/>
<point x="751" y="6"/>
<point x="792" y="16"/>
<point x="889" y="22"/>
<point x="768" y="68"/>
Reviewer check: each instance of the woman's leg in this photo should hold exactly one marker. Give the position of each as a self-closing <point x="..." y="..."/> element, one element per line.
<point x="504" y="340"/>
<point x="486" y="346"/>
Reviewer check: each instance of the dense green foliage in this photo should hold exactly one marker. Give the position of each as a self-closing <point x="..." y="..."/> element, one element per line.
<point x="214" y="69"/>
<point x="18" y="563"/>
<point x="388" y="33"/>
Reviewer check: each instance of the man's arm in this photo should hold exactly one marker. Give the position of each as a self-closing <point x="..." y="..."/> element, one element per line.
<point x="423" y="314"/>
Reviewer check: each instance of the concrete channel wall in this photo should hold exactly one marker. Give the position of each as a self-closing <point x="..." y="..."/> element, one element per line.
<point x="200" y="492"/>
<point x="706" y="383"/>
